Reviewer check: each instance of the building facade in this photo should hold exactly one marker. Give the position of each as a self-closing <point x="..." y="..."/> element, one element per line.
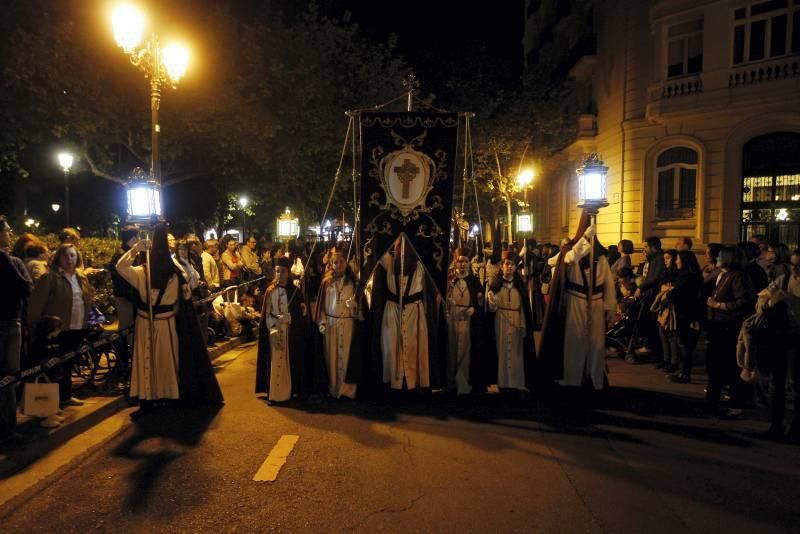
<point x="692" y="104"/>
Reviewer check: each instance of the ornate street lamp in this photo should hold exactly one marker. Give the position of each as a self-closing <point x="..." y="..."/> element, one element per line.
<point x="287" y="225"/>
<point x="524" y="223"/>
<point x="161" y="65"/>
<point x="65" y="159"/>
<point x="144" y="198"/>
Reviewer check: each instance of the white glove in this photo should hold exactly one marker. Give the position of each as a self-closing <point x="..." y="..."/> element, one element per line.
<point x="590" y="232"/>
<point x="451" y="301"/>
<point x="350" y="303"/>
<point x="273" y="331"/>
<point x="469" y="312"/>
<point x="322" y="328"/>
<point x="285" y="318"/>
<point x="491" y="300"/>
<point x="296" y="283"/>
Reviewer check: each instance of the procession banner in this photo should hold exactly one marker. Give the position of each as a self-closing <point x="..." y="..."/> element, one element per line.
<point x="407" y="168"/>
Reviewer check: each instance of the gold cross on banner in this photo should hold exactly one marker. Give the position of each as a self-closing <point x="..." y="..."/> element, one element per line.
<point x="406" y="173"/>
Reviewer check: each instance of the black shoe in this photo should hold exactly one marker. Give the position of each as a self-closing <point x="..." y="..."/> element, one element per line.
<point x="680" y="378"/>
<point x="670" y="369"/>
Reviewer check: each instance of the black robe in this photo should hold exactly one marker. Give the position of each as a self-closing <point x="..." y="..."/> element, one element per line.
<point x="478" y="357"/>
<point x="355" y="364"/>
<point x="529" y="356"/>
<point x="437" y="330"/>
<point x="300" y="358"/>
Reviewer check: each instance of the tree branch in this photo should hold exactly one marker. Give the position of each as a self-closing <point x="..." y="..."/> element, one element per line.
<point x="130" y="148"/>
<point x="96" y="171"/>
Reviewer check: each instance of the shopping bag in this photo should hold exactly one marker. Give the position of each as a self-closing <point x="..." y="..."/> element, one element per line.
<point x="40" y="399"/>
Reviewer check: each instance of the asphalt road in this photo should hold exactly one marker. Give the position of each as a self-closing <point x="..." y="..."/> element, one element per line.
<point x="639" y="461"/>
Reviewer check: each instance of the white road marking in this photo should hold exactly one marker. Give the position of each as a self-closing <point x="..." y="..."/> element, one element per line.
<point x="269" y="470"/>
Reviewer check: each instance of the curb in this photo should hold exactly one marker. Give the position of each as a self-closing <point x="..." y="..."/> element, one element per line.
<point x="29" y="452"/>
<point x="215" y="352"/>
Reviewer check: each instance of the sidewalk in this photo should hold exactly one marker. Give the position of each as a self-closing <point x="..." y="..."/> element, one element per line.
<point x="36" y="441"/>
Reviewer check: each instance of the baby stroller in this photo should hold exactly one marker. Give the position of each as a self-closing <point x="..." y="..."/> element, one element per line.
<point x="623" y="336"/>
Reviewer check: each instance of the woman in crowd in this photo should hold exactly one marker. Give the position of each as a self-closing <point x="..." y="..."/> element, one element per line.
<point x="64" y="292"/>
<point x="192" y="276"/>
<point x="731" y="297"/>
<point x="664" y="309"/>
<point x="710" y="270"/>
<point x="685" y="296"/>
<point x="778" y="257"/>
<point x="231" y="263"/>
<point x="35" y="256"/>
<point x="625" y="248"/>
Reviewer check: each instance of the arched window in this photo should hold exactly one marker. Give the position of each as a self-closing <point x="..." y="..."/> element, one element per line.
<point x="676" y="169"/>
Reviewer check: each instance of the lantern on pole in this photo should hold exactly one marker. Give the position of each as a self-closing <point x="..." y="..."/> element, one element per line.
<point x="592" y="195"/>
<point x="287" y="225"/>
<point x="592" y="184"/>
<point x="524" y="223"/>
<point x="144" y="197"/>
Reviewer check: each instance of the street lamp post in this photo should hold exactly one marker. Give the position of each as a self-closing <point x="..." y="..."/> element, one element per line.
<point x="243" y="202"/>
<point x="65" y="159"/>
<point x="162" y="65"/>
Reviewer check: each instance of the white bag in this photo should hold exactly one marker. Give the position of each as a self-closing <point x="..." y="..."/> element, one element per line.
<point x="40" y="399"/>
<point x="232" y="311"/>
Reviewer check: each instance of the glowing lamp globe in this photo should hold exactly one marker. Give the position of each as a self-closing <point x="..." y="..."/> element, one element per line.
<point x="128" y="24"/>
<point x="524" y="223"/>
<point x="592" y="183"/>
<point x="287" y="225"/>
<point x="144" y="198"/>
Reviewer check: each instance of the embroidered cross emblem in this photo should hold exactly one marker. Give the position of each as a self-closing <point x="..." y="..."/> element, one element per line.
<point x="406" y="173"/>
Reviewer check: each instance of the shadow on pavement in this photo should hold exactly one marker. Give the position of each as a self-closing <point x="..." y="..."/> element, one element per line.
<point x="158" y="439"/>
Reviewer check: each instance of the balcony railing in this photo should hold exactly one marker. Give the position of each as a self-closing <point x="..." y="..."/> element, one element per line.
<point x="675" y="209"/>
<point x="779" y="69"/>
<point x="685" y="86"/>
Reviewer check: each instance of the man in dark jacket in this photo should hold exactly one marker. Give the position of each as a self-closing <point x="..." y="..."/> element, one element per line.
<point x="654" y="271"/>
<point x="16" y="286"/>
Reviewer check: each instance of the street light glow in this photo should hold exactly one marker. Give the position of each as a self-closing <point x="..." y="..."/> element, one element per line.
<point x="175" y="58"/>
<point x="55" y="207"/>
<point x="128" y="24"/>
<point x="525" y="178"/>
<point x="243" y="202"/>
<point x="65" y="160"/>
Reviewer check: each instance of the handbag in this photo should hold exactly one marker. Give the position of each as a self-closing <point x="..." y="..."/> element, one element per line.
<point x="40" y="399"/>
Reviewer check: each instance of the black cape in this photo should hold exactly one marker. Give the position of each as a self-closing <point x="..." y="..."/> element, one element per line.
<point x="298" y="343"/>
<point x="532" y="375"/>
<point x="196" y="379"/>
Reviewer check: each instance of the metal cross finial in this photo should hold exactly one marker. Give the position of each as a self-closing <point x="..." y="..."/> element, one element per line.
<point x="411" y="84"/>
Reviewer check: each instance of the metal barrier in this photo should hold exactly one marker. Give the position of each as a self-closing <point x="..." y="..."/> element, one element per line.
<point x="226" y="291"/>
<point x="109" y="338"/>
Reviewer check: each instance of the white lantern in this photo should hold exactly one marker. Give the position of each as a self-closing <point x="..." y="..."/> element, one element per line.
<point x="524" y="223"/>
<point x="592" y="183"/>
<point x="144" y="198"/>
<point x="288" y="225"/>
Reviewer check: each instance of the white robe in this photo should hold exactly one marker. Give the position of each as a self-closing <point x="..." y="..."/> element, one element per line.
<point x="154" y="375"/>
<point x="405" y="354"/>
<point x="458" y="333"/>
<point x="584" y="351"/>
<point x="339" y="327"/>
<point x="280" y="376"/>
<point x="509" y="329"/>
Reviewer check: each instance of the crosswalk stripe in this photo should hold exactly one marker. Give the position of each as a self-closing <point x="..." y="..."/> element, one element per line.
<point x="269" y="470"/>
